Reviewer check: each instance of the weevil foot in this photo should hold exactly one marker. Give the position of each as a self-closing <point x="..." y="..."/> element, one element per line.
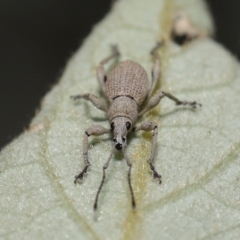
<point x="158" y="45"/>
<point x="192" y="104"/>
<point x="81" y="174"/>
<point x="75" y="97"/>
<point x="155" y="173"/>
<point x="115" y="50"/>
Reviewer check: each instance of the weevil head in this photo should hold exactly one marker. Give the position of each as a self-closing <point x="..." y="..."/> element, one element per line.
<point x="120" y="127"/>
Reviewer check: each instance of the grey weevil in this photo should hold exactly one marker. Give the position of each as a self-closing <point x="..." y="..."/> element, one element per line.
<point x="129" y="97"/>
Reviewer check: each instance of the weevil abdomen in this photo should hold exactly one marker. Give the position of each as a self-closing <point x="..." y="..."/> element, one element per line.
<point x="127" y="79"/>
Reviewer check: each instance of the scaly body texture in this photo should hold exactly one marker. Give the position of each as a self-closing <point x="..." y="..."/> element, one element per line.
<point x="129" y="97"/>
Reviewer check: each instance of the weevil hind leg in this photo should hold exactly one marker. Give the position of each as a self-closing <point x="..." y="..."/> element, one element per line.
<point x="151" y="126"/>
<point x="101" y="74"/>
<point x="96" y="130"/>
<point x="156" y="67"/>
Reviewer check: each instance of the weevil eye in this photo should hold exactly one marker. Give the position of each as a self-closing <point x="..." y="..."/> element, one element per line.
<point x="123" y="139"/>
<point x="112" y="126"/>
<point x="128" y="125"/>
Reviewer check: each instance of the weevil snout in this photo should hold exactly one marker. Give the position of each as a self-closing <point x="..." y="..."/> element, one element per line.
<point x="120" y="127"/>
<point x="118" y="143"/>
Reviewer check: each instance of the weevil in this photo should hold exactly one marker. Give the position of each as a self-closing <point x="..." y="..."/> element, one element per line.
<point x="127" y="90"/>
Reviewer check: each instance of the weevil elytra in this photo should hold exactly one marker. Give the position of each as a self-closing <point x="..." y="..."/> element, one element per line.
<point x="128" y="93"/>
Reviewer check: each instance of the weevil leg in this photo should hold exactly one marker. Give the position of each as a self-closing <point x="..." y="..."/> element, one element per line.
<point x="151" y="126"/>
<point x="129" y="180"/>
<point x="105" y="166"/>
<point x="96" y="101"/>
<point x="96" y="130"/>
<point x="179" y="102"/>
<point x="154" y="100"/>
<point x="155" y="68"/>
<point x="101" y="74"/>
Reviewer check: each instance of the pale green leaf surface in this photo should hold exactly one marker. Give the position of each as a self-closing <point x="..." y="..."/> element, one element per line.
<point x="197" y="153"/>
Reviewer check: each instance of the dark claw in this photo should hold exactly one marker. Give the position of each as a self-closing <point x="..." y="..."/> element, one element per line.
<point x="192" y="104"/>
<point x="81" y="174"/>
<point x="115" y="50"/>
<point x="75" y="97"/>
<point x="156" y="47"/>
<point x="155" y="173"/>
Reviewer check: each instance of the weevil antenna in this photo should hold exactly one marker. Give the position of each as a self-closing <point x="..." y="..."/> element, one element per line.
<point x="129" y="180"/>
<point x="105" y="166"/>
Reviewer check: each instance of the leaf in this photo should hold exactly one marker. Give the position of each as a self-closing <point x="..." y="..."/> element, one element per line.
<point x="197" y="153"/>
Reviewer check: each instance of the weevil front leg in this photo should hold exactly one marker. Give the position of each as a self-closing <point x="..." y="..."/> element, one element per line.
<point x="101" y="75"/>
<point x="154" y="100"/>
<point x="151" y="126"/>
<point x="96" y="101"/>
<point x="96" y="130"/>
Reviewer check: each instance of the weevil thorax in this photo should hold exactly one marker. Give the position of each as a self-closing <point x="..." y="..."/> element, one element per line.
<point x="126" y="88"/>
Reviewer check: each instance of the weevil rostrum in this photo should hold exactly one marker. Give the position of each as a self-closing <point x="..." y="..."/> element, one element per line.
<point x="127" y="90"/>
